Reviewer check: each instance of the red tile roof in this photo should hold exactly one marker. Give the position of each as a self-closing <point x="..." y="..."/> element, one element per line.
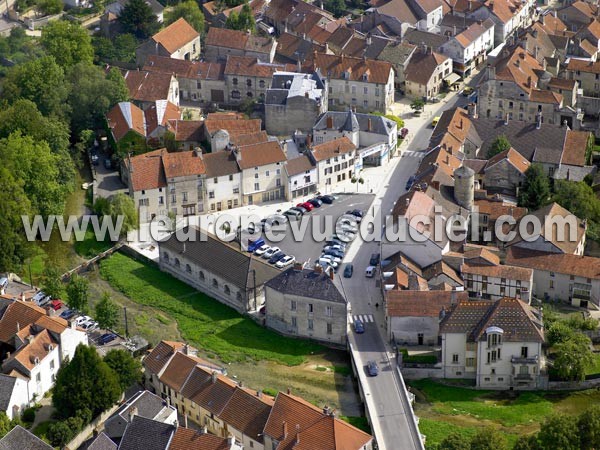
<point x="583" y="65"/>
<point x="125" y="117"/>
<point x="233" y="125"/>
<point x="499" y="271"/>
<point x="188" y="439"/>
<point x="260" y="154"/>
<point x="421" y="303"/>
<point x="176" y="35"/>
<point x="422" y="66"/>
<point x="575" y="148"/>
<point x="252" y="67"/>
<point x="569" y="264"/>
<point x="160" y="355"/>
<point x="19" y="314"/>
<point x="358" y="69"/>
<point x="182" y="164"/>
<point x="517" y="160"/>
<point x="185" y="69"/>
<point x="146" y="171"/>
<point x="148" y="86"/>
<point x="333" y="148"/>
<point x="240" y="40"/>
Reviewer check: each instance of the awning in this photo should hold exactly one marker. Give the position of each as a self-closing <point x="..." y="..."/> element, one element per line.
<point x="452" y="78"/>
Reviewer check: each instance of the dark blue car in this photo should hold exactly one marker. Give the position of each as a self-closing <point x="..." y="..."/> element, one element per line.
<point x="276" y="257"/>
<point x="67" y="314"/>
<point x="348" y="270"/>
<point x="359" y="328"/>
<point x="106" y="338"/>
<point x="372" y="368"/>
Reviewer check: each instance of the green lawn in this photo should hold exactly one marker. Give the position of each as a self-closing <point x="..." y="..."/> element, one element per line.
<point x="90" y="247"/>
<point x="203" y="321"/>
<point x="359" y="422"/>
<point x="443" y="409"/>
<point x="595" y="368"/>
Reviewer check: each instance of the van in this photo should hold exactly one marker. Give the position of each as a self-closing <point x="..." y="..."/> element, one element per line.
<point x="370" y="272"/>
<point x="255" y="244"/>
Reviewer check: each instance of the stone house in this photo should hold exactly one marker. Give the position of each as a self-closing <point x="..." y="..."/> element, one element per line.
<point x="398" y="54"/>
<point x="469" y="48"/>
<point x="335" y="162"/>
<point x="222" y="42"/>
<point x="364" y="84"/>
<point x="413" y="317"/>
<point x="586" y="73"/>
<point x="146" y="88"/>
<point x="505" y="172"/>
<point x="509" y="17"/>
<point x="198" y="81"/>
<point x="425" y="73"/>
<point x="306" y="303"/>
<point x="302" y="177"/>
<point x="178" y="40"/>
<point x="223" y="182"/>
<point x="293" y="102"/>
<point x="217" y="268"/>
<point x="561" y="277"/>
<point x="497" y="343"/>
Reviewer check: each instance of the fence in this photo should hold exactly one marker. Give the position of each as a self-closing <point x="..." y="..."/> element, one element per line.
<point x="85" y="265"/>
<point x="94" y="425"/>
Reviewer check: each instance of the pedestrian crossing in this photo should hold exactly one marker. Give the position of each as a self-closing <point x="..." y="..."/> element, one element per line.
<point x="364" y="318"/>
<point x="412" y="153"/>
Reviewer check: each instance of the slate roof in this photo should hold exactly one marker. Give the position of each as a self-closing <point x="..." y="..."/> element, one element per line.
<point x="220" y="257"/>
<point x="514" y="317"/>
<point x="351" y="121"/>
<point x="102" y="442"/>
<point x="298" y="165"/>
<point x="307" y="283"/>
<point x="218" y="164"/>
<point x="147" y="434"/>
<point x="20" y="439"/>
<point x="431" y="40"/>
<point x="176" y="35"/>
<point x="397" y="53"/>
<point x="7" y="385"/>
<point x="148" y="405"/>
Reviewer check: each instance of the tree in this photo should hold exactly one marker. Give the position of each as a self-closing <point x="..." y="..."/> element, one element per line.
<point x="40" y="80"/>
<point x="137" y="18"/>
<point x="14" y="246"/>
<point x="60" y="433"/>
<point x="417" y="105"/>
<point x="190" y="11"/>
<point x="107" y="312"/>
<point x="455" y="441"/>
<point x="48" y="7"/>
<point x="5" y="425"/>
<point x="336" y="7"/>
<point x="589" y="428"/>
<point x="580" y="199"/>
<point x="122" y="205"/>
<point x="35" y="164"/>
<point x="92" y="94"/>
<point x="558" y="332"/>
<point x="68" y="42"/>
<point x="499" y="145"/>
<point x="85" y="386"/>
<point x="244" y="21"/>
<point x="127" y="368"/>
<point x="536" y="188"/>
<point x="488" y="439"/>
<point x="573" y="357"/>
<point x="53" y="284"/>
<point x="78" y="293"/>
<point x="559" y="431"/>
<point x="529" y="442"/>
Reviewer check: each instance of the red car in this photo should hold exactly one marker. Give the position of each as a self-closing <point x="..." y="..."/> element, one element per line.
<point x="56" y="304"/>
<point x="306" y="205"/>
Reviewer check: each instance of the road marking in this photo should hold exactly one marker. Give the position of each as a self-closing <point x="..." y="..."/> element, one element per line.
<point x="364" y="318"/>
<point x="413" y="153"/>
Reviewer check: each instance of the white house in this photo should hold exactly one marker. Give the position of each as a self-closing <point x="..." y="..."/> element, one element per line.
<point x="335" y="162"/>
<point x="13" y="395"/>
<point x="469" y="48"/>
<point x="497" y="343"/>
<point x="301" y="177"/>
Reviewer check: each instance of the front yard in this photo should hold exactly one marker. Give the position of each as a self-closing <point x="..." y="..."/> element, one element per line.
<point x="443" y="409"/>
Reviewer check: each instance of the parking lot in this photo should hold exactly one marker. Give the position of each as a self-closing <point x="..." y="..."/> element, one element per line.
<point x="308" y="249"/>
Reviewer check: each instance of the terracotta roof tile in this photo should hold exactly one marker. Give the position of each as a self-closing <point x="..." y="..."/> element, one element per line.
<point x="473" y="32"/>
<point x="298" y="165"/>
<point x="234" y="126"/>
<point x="20" y="314"/>
<point x="335" y="67"/>
<point x="499" y="271"/>
<point x="583" y="65"/>
<point x="542" y="96"/>
<point x="561" y="83"/>
<point x="240" y="40"/>
<point x="421" y="303"/>
<point x="182" y="68"/>
<point x="519" y="67"/>
<point x="481" y="254"/>
<point x="260" y="154"/>
<point x="187" y="130"/>
<point x="159" y="114"/>
<point x="249" y="138"/>
<point x="422" y="66"/>
<point x="148" y="86"/>
<point x="218" y="164"/>
<point x="511" y="155"/>
<point x="575" y="148"/>
<point x="176" y="35"/>
<point x="125" y="117"/>
<point x="248" y="66"/>
<point x="38" y="349"/>
<point x="182" y="164"/>
<point x="495" y="209"/>
<point x="178" y="369"/>
<point x="569" y="264"/>
<point x="146" y="170"/>
<point x="160" y="355"/>
<point x="333" y="148"/>
<point x="188" y="439"/>
<point x="247" y="413"/>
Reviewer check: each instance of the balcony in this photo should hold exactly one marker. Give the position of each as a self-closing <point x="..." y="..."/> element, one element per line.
<point x="523" y="377"/>
<point x="524" y="360"/>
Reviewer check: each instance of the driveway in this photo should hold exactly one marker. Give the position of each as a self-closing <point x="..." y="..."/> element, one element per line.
<point x="108" y="181"/>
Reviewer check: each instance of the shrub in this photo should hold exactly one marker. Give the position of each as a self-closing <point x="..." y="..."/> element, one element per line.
<point x="28" y="415"/>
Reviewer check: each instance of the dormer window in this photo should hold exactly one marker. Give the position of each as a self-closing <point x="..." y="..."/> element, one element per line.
<point x="494" y="336"/>
<point x="365" y="77"/>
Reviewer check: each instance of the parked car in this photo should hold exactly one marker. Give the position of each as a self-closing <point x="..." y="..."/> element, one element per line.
<point x="261" y="250"/>
<point x="372" y="368"/>
<point x="348" y="229"/>
<point x="278" y="219"/>
<point x="3" y="282"/>
<point x="89" y="326"/>
<point x="293" y="213"/>
<point x="95" y="159"/>
<point x="338" y="248"/>
<point x="331" y="258"/>
<point x="40" y="298"/>
<point x="348" y="271"/>
<point x="82" y="319"/>
<point x="324" y="261"/>
<point x="334" y="253"/>
<point x="270" y="252"/>
<point x="306" y="205"/>
<point x="374" y="260"/>
<point x="356" y="213"/>
<point x="359" y="328"/>
<point x="276" y="257"/>
<point x="327" y="199"/>
<point x="67" y="314"/>
<point x="285" y="261"/>
<point x="56" y="304"/>
<point x="468" y="90"/>
<point x="435" y="121"/>
<point x="410" y="182"/>
<point x="370" y="271"/>
<point x="315" y="202"/>
<point x="300" y="208"/>
<point x="106" y="338"/>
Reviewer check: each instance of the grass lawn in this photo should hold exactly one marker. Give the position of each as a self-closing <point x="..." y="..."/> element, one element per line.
<point x="203" y="321"/>
<point x="443" y="409"/>
<point x="595" y="368"/>
<point x="90" y="247"/>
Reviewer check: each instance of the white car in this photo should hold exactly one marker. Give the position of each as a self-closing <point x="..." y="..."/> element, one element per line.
<point x="327" y="262"/>
<point x="270" y="252"/>
<point x="40" y="298"/>
<point x="261" y="250"/>
<point x="89" y="325"/>
<point x="348" y="228"/>
<point x="332" y="258"/>
<point x="337" y="248"/>
<point x="286" y="261"/>
<point x="81" y="320"/>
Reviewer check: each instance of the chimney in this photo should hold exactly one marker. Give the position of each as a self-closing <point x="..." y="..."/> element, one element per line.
<point x="453" y="30"/>
<point x="317" y="269"/>
<point x="331" y="274"/>
<point x="329" y="122"/>
<point x="185" y="421"/>
<point x="529" y="81"/>
<point x="369" y="40"/>
<point x="297" y="434"/>
<point x="289" y="391"/>
<point x="369" y="125"/>
<point x="132" y="413"/>
<point x="285" y="430"/>
<point x="470" y="5"/>
<point x="538" y="121"/>
<point x="506" y="119"/>
<point x="326" y="410"/>
<point x="460" y="124"/>
<point x="214" y="376"/>
<point x="203" y="430"/>
<point x="186" y="349"/>
<point x="259" y="394"/>
<point x="198" y="152"/>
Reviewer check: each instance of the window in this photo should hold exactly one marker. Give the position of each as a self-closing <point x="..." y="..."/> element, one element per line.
<point x="236" y="190"/>
<point x="256" y="186"/>
<point x="201" y="275"/>
<point x="177" y="263"/>
<point x="278" y="182"/>
<point x="174" y="198"/>
<point x="198" y="85"/>
<point x="377" y="92"/>
<point x="261" y="84"/>
<point x="310" y="308"/>
<point x="365" y="103"/>
<point x="234" y="81"/>
<point x="353" y="89"/>
<point x="329" y="328"/>
<point x="524" y="351"/>
<point x="311" y="324"/>
<point x="552" y="274"/>
<point x="267" y="173"/>
<point x="161" y="200"/>
<point x="256" y="176"/>
<point x="329" y="311"/>
<point x="455" y="358"/>
<point x="215" y="283"/>
<point x="230" y="177"/>
<point x="293" y="305"/>
<point x="38" y="377"/>
<point x="551" y="284"/>
<point x="188" y="268"/>
<point x="185" y="196"/>
<point x="52" y="365"/>
<point x="249" y="82"/>
<point x="144" y="202"/>
<point x="211" y="194"/>
<point x="227" y="290"/>
<point x="523" y="370"/>
<point x="294" y="322"/>
<point x="236" y="94"/>
<point x="470" y="362"/>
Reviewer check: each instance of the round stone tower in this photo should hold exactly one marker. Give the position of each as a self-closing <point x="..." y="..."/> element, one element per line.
<point x="464" y="187"/>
